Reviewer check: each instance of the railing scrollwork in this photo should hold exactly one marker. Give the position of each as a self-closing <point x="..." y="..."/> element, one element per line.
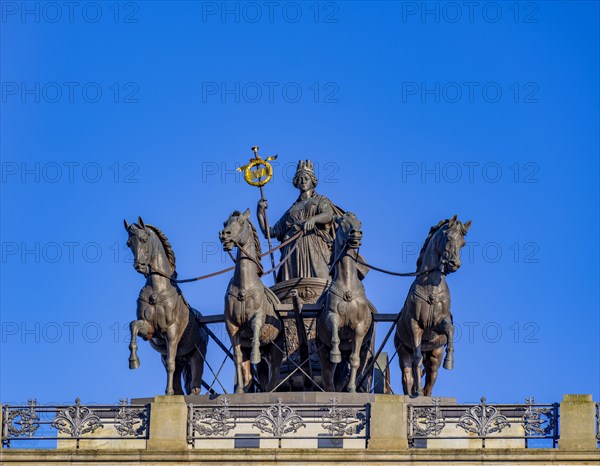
<point x="483" y="421"/>
<point x="290" y="421"/>
<point x="73" y="422"/>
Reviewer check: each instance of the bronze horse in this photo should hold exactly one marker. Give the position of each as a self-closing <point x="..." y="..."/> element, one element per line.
<point x="164" y="317"/>
<point x="425" y="322"/>
<point x="250" y="317"/>
<point x="345" y="323"/>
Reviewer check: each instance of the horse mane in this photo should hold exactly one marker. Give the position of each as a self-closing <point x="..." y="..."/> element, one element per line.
<point x="432" y="231"/>
<point x="337" y="243"/>
<point x="257" y="248"/>
<point x="167" y="247"/>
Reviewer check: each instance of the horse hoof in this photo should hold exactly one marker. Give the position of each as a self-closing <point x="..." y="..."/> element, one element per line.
<point x="239" y="391"/>
<point x="351" y="389"/>
<point x="255" y="359"/>
<point x="195" y="391"/>
<point x="335" y="357"/>
<point x="448" y="364"/>
<point x="169" y="392"/>
<point x="134" y="363"/>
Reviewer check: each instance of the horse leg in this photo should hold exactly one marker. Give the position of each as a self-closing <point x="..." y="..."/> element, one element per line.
<point x="417" y="358"/>
<point x="186" y="373"/>
<point x="327" y="369"/>
<point x="366" y="358"/>
<point x="405" y="363"/>
<point x="432" y="362"/>
<point x="237" y="354"/>
<point x="262" y="371"/>
<point x="407" y="380"/>
<point x="257" y="324"/>
<point x="246" y="370"/>
<point x="275" y="358"/>
<point x="404" y="360"/>
<point x="359" y="336"/>
<point x="234" y="334"/>
<point x="195" y="366"/>
<point x="172" y="342"/>
<point x="137" y="326"/>
<point x="177" y="373"/>
<point x="448" y="328"/>
<point x="177" y="389"/>
<point x="333" y="321"/>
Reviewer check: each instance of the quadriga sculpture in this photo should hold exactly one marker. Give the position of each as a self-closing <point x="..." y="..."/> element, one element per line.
<point x="164" y="317"/>
<point x="425" y="322"/>
<point x="345" y="323"/>
<point x="250" y="318"/>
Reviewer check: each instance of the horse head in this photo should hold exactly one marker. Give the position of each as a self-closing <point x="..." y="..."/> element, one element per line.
<point x="236" y="230"/>
<point x="442" y="246"/>
<point x="140" y="243"/>
<point x="451" y="242"/>
<point x="151" y="249"/>
<point x="348" y="231"/>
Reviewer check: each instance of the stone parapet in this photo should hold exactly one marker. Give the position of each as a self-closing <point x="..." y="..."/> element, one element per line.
<point x="301" y="457"/>
<point x="295" y="427"/>
<point x="577" y="422"/>
<point x="168" y="423"/>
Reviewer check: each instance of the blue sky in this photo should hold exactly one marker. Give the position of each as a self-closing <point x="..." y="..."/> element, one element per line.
<point x="412" y="112"/>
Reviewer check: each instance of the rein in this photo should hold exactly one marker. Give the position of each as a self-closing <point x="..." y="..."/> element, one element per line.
<point x="281" y="262"/>
<point x="378" y="269"/>
<point x="337" y="259"/>
<point x="439" y="267"/>
<point x="397" y="274"/>
<point x="285" y="243"/>
<point x="287" y="256"/>
<point x="229" y="269"/>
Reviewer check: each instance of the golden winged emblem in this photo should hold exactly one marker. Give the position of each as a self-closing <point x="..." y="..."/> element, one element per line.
<point x="259" y="171"/>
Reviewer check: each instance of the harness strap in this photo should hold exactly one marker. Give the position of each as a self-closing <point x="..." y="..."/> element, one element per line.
<point x="346" y="295"/>
<point x="241" y="294"/>
<point x="432" y="299"/>
<point x="153" y="298"/>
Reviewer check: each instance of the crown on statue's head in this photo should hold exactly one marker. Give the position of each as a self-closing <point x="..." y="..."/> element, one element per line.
<point x="305" y="165"/>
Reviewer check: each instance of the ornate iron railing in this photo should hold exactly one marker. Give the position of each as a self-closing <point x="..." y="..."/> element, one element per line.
<point x="505" y="425"/>
<point x="328" y="425"/>
<point x="73" y="423"/>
